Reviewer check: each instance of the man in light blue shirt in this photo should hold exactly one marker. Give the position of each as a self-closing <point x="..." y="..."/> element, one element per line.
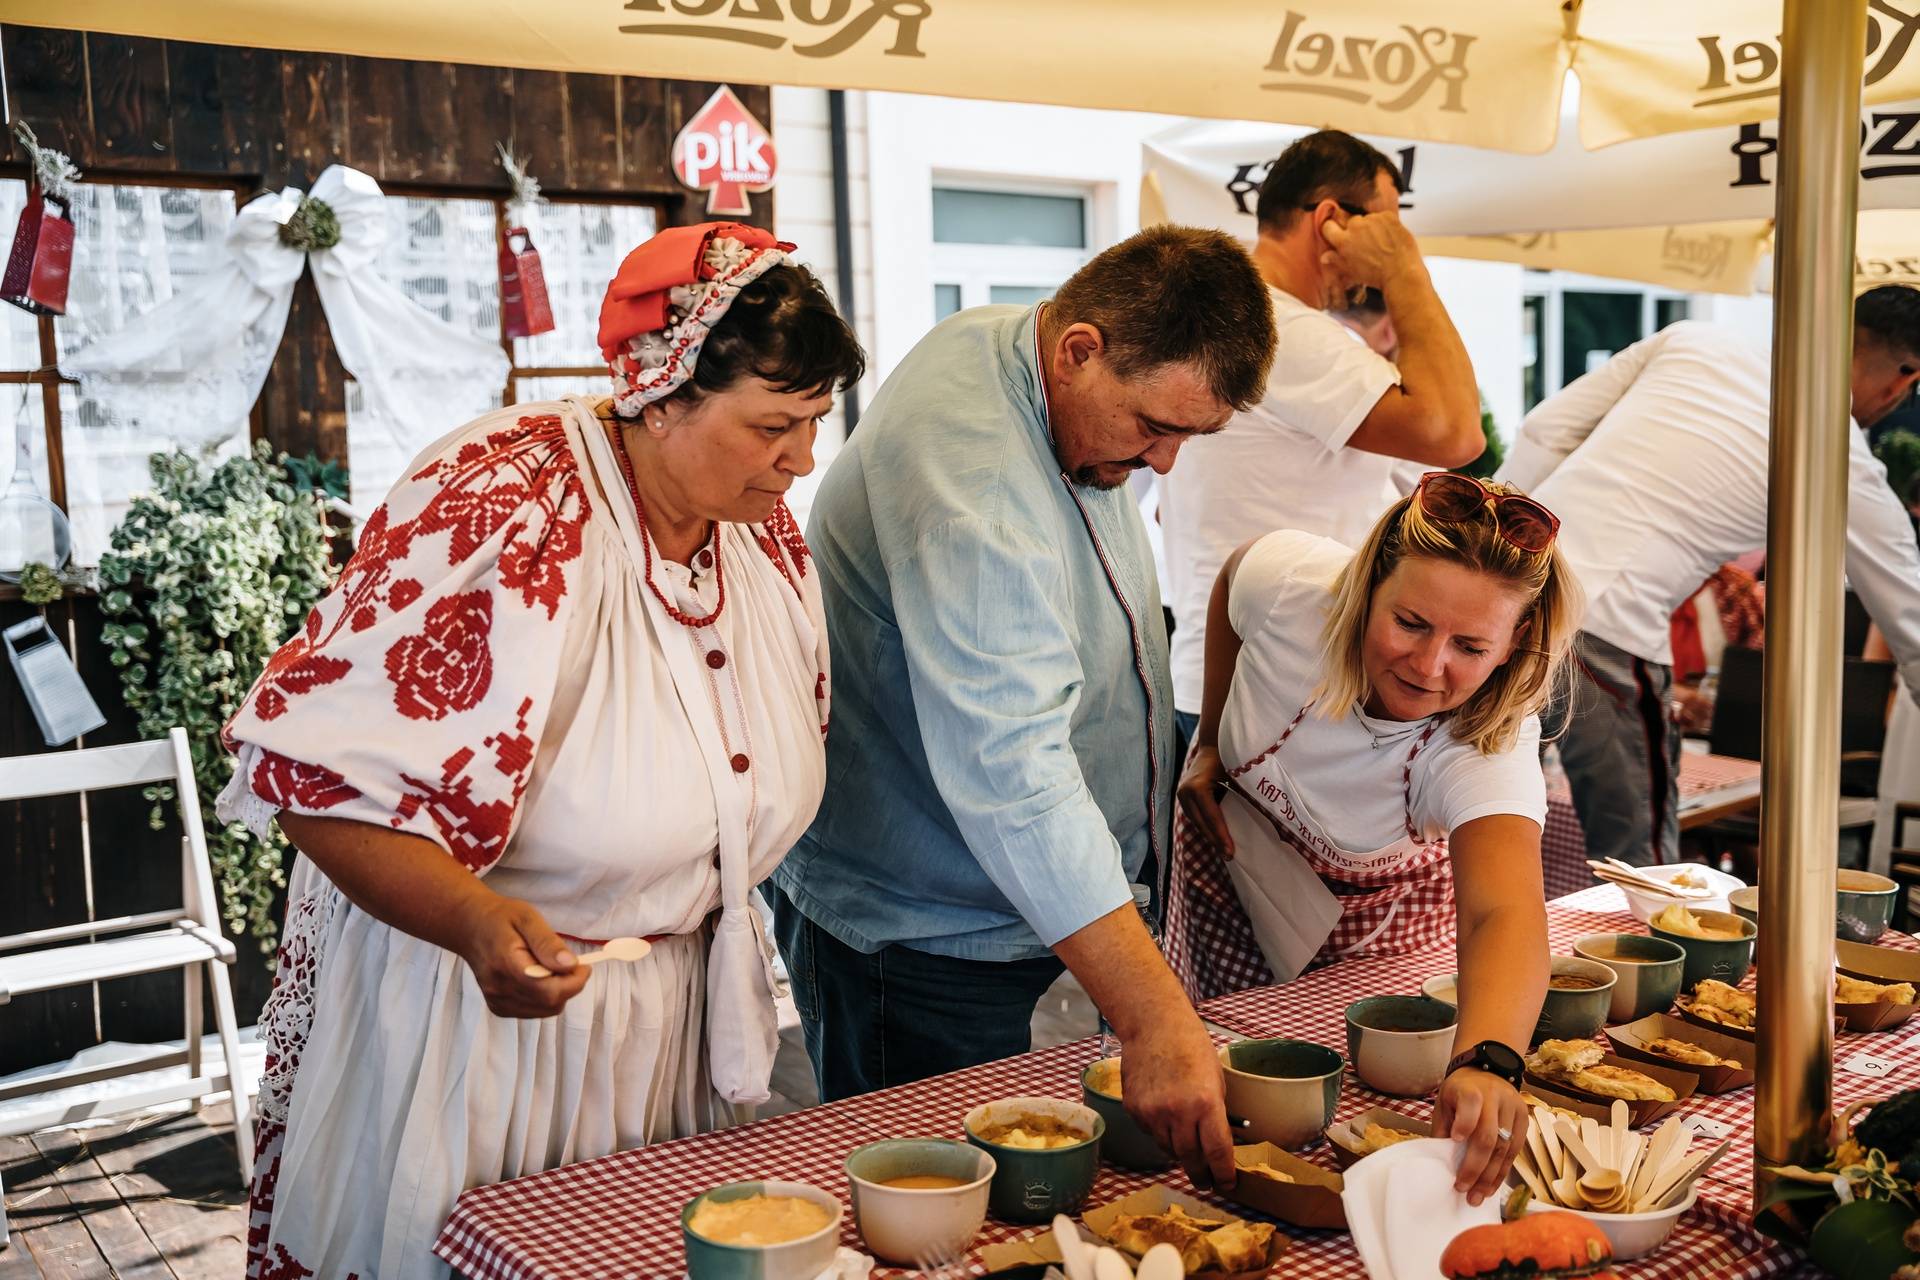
<point x="999" y="765"/>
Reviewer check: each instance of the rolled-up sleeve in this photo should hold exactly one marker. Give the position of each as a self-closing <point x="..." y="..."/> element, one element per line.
<point x="982" y="612"/>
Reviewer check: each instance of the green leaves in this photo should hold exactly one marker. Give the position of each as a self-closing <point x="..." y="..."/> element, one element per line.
<point x="207" y="576"/>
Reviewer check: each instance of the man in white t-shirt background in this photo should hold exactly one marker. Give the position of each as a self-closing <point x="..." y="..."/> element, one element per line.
<point x="1656" y="464"/>
<point x="1319" y="453"/>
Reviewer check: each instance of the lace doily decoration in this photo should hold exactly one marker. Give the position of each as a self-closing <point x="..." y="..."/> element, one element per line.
<point x="654" y="365"/>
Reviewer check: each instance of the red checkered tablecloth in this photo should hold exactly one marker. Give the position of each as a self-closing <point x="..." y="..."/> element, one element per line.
<point x="619" y="1216"/>
<point x="1563" y="845"/>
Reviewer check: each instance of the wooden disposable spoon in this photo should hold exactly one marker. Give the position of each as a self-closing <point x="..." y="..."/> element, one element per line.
<point x="616" y="949"/>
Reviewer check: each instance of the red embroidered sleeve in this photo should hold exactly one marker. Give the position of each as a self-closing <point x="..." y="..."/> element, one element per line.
<point x="415" y="692"/>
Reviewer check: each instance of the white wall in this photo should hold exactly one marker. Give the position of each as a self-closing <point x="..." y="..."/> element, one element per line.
<point x="1483" y="298"/>
<point x="912" y="140"/>
<point x="803" y="216"/>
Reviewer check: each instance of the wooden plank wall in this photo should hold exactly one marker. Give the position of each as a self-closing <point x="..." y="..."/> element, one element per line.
<point x="263" y="118"/>
<point x="254" y="119"/>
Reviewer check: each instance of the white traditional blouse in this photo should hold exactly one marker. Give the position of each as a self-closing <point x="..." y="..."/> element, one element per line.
<point x="493" y="673"/>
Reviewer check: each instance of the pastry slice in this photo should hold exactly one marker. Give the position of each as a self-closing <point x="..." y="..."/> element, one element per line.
<point x="1562" y="1059"/>
<point x="1859" y="991"/>
<point x="1239" y="1246"/>
<point x="1265" y="1170"/>
<point x="1691" y="1054"/>
<point x="1621" y="1082"/>
<point x="1717" y="1002"/>
<point x="1378" y="1137"/>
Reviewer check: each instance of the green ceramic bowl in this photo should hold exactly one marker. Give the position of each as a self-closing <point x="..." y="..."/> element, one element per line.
<point x="1032" y="1185"/>
<point x="1401" y="1045"/>
<point x="1864" y="905"/>
<point x="801" y="1259"/>
<point x="1726" y="959"/>
<point x="1126" y="1144"/>
<point x="1745" y="903"/>
<point x="1286" y="1089"/>
<point x="1575" y="1013"/>
<point x="1646" y="972"/>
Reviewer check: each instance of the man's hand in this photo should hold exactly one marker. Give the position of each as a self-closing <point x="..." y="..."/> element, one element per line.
<point x="500" y="937"/>
<point x="1174" y="1089"/>
<point x="1371" y="250"/>
<point x="1199" y="797"/>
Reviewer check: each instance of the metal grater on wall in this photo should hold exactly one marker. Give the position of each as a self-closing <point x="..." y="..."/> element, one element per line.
<point x="60" y="701"/>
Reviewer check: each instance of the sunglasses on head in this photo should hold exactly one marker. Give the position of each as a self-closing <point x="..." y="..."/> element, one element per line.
<point x="1455" y="499"/>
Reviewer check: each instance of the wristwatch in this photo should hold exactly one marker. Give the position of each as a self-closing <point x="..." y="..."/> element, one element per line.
<point x="1493" y="1057"/>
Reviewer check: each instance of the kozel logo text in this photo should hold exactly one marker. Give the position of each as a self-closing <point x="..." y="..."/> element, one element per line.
<point x="838" y="24"/>
<point x="1740" y="71"/>
<point x="1393" y="74"/>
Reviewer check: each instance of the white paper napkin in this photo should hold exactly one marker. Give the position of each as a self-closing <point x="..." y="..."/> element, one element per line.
<point x="1403" y="1210"/>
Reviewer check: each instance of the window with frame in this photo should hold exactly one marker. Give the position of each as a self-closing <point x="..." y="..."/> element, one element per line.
<point x="135" y="246"/>
<point x="1005" y="245"/>
<point x="1572" y="324"/>
<point x="443" y="253"/>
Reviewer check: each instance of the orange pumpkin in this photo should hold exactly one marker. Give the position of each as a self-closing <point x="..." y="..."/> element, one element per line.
<point x="1537" y="1246"/>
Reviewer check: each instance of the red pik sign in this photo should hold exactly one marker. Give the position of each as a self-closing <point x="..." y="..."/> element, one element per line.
<point x="725" y="152"/>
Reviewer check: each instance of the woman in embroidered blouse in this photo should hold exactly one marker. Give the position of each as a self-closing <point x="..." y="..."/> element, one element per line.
<point x="571" y="687"/>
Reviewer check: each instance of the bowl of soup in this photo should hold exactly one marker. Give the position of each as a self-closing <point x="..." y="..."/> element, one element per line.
<point x="1047" y="1151"/>
<point x="1718" y="944"/>
<point x="1864" y="906"/>
<point x="916" y="1196"/>
<point x="1646" y="972"/>
<point x="1401" y="1045"/>
<point x="1125" y="1143"/>
<point x="1285" y="1089"/>
<point x="767" y="1230"/>
<point x="1579" y="993"/>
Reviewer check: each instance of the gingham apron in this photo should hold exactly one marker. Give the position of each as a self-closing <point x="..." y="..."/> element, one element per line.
<point x="1394" y="899"/>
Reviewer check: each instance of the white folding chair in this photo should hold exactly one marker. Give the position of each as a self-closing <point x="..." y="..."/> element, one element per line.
<point x="186" y="937"/>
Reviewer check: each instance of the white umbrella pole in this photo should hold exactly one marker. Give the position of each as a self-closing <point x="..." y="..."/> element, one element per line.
<point x="1823" y="42"/>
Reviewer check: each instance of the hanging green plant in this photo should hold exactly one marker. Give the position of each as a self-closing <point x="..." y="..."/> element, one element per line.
<point x="208" y="574"/>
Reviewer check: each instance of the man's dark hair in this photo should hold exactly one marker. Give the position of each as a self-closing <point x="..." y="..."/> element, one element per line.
<point x="1365" y="309"/>
<point x="1173" y="295"/>
<point x="781" y="327"/>
<point x="1890" y="315"/>
<point x="1328" y="165"/>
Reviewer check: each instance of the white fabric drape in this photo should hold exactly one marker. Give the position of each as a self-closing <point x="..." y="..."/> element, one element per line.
<point x="190" y="369"/>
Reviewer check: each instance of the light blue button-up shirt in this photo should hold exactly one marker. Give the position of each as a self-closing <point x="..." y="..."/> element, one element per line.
<point x="999" y="761"/>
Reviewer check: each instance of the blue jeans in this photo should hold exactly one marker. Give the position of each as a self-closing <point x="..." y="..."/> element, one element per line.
<point x="900" y="1015"/>
<point x="1621" y="751"/>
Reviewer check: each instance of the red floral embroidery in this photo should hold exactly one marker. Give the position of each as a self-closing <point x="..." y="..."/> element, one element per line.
<point x="450" y="667"/>
<point x="782" y="533"/>
<point x="403" y="593"/>
<point x="290" y="784"/>
<point x="476" y="831"/>
<point x="293" y="670"/>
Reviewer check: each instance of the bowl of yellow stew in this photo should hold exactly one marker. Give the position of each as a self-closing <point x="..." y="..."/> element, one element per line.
<point x="768" y="1230"/>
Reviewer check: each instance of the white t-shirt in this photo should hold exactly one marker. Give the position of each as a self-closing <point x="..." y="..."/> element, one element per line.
<point x="1656" y="464"/>
<point x="1283" y="464"/>
<point x="1349" y="788"/>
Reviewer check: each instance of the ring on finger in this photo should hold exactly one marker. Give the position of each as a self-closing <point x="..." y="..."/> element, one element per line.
<point x="1505" y="1135"/>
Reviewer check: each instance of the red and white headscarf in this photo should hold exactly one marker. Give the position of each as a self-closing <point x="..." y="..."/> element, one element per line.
<point x="666" y="298"/>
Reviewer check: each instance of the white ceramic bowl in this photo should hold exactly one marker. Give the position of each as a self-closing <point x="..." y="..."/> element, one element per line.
<point x="1633" y="1235"/>
<point x="1443" y="987"/>
<point x="898" y="1223"/>
<point x="1645" y="906"/>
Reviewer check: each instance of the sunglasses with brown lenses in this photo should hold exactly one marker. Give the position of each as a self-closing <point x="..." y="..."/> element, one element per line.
<point x="1455" y="499"/>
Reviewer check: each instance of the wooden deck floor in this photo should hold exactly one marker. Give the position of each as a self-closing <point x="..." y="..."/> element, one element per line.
<point x="159" y="1198"/>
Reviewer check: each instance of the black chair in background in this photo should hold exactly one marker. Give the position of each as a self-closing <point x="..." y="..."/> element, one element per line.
<point x="1865" y="688"/>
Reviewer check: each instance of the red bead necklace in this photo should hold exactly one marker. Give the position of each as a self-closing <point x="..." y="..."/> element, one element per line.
<point x="646" y="546"/>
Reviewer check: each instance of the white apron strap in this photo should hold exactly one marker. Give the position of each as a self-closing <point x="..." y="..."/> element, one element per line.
<point x="742" y="1032"/>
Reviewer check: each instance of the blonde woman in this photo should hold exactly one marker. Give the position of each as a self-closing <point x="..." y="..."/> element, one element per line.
<point x="1377" y="712"/>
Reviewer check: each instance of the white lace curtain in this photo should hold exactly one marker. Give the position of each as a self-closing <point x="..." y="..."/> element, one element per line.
<point x="189" y="369"/>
